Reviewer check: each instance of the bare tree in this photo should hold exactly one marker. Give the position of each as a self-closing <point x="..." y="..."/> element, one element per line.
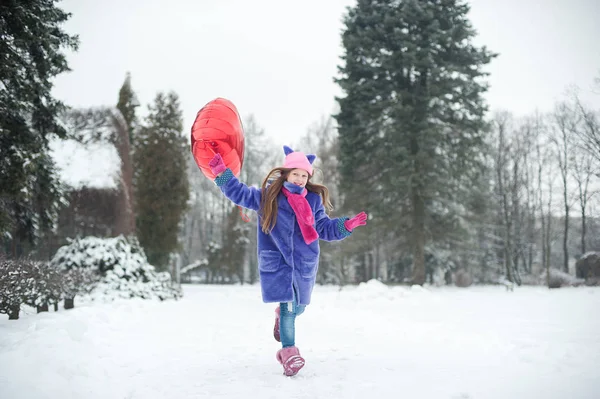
<point x="545" y="187"/>
<point x="589" y="135"/>
<point x="531" y="132"/>
<point x="261" y="155"/>
<point x="583" y="170"/>
<point x="564" y="127"/>
<point x="508" y="189"/>
<point x="202" y="222"/>
<point x="586" y="158"/>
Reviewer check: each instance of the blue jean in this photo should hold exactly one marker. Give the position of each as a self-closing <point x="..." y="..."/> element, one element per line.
<point x="287" y="330"/>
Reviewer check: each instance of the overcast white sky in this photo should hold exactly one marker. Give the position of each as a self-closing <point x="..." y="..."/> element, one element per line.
<point x="277" y="59"/>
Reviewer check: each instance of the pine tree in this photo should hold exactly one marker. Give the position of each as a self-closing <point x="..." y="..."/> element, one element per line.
<point x="31" y="52"/>
<point x="127" y="104"/>
<point x="235" y="242"/>
<point x="161" y="182"/>
<point x="124" y="143"/>
<point x="411" y="121"/>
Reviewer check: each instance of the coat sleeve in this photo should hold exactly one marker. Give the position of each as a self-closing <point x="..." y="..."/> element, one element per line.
<point x="329" y="229"/>
<point x="239" y="193"/>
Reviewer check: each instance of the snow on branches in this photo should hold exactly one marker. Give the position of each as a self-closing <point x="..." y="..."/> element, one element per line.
<point x="122" y="266"/>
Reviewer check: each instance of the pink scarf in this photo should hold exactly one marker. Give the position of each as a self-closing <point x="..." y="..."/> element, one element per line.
<point x="304" y="215"/>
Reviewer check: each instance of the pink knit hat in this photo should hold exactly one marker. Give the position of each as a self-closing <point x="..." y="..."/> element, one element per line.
<point x="297" y="160"/>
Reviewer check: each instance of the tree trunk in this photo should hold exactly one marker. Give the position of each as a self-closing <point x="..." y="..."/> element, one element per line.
<point x="508" y="266"/>
<point x="530" y="257"/>
<point x="543" y="219"/>
<point x="42" y="308"/>
<point x="583" y="230"/>
<point x="565" y="243"/>
<point x="548" y="242"/>
<point x="515" y="265"/>
<point x="548" y="275"/>
<point x="13" y="312"/>
<point x="419" y="240"/>
<point x="69" y="303"/>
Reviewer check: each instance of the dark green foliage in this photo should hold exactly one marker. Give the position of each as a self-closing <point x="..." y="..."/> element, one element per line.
<point x="235" y="242"/>
<point x="161" y="182"/>
<point x="25" y="281"/>
<point x="31" y="43"/>
<point x="16" y="285"/>
<point x="127" y="104"/>
<point x="411" y="122"/>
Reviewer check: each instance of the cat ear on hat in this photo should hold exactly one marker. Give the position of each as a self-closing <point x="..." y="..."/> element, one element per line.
<point x="311" y="158"/>
<point x="287" y="150"/>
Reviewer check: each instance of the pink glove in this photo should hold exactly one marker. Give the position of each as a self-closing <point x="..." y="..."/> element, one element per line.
<point x="216" y="165"/>
<point x="358" y="220"/>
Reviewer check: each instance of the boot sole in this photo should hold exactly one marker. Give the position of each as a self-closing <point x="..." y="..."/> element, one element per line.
<point x="293" y="365"/>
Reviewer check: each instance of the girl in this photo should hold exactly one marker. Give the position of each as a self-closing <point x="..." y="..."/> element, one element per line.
<point x="291" y="219"/>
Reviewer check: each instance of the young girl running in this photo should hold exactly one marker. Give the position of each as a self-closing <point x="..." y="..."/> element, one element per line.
<point x="291" y="219"/>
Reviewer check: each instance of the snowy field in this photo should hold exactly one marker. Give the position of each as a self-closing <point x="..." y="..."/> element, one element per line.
<point x="361" y="342"/>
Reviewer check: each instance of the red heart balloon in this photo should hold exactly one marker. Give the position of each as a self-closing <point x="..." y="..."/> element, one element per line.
<point x="218" y="129"/>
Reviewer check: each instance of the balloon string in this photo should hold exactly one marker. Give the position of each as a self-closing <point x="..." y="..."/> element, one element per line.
<point x="245" y="217"/>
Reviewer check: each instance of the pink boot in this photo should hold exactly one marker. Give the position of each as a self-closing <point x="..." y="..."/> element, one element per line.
<point x="276" y="333"/>
<point x="291" y="360"/>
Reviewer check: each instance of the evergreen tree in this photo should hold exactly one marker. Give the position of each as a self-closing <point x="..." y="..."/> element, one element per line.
<point x="162" y="188"/>
<point x="124" y="143"/>
<point x="411" y="121"/>
<point x="31" y="52"/>
<point x="127" y="104"/>
<point x="235" y="242"/>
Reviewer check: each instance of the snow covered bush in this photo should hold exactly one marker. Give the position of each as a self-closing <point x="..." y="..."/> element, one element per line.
<point x="559" y="279"/>
<point x="462" y="278"/>
<point x="588" y="268"/>
<point x="47" y="286"/>
<point x="25" y="281"/>
<point x="78" y="281"/>
<point x="121" y="265"/>
<point x="16" y="286"/>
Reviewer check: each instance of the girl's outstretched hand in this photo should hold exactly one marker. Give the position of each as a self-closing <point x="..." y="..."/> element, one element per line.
<point x="358" y="220"/>
<point x="216" y="165"/>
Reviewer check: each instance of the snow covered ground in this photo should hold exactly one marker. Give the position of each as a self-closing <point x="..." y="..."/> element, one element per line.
<point x="369" y="341"/>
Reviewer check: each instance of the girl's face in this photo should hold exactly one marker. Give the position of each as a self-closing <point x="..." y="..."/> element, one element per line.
<point x="298" y="177"/>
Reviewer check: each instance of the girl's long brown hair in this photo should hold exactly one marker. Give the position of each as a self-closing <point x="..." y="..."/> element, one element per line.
<point x="271" y="187"/>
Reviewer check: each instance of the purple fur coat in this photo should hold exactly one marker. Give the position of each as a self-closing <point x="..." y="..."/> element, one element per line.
<point x="285" y="261"/>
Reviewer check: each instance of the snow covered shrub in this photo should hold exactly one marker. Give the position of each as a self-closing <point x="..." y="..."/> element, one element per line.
<point x="17" y="285"/>
<point x="462" y="278"/>
<point x="78" y="281"/>
<point x="195" y="271"/>
<point x="439" y="265"/>
<point x="121" y="264"/>
<point x="588" y="268"/>
<point x="47" y="286"/>
<point x="559" y="279"/>
<point x="11" y="288"/>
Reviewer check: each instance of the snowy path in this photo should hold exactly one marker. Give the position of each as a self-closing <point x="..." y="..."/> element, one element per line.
<point x="362" y="342"/>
